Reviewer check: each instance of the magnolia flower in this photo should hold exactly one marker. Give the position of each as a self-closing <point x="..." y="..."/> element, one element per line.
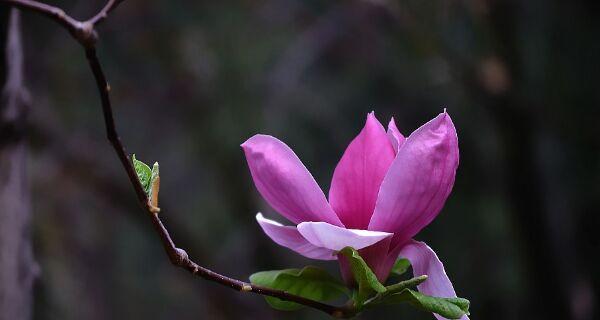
<point x="385" y="189"/>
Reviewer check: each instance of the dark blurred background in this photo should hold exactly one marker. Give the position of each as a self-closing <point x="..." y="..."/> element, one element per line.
<point x="192" y="80"/>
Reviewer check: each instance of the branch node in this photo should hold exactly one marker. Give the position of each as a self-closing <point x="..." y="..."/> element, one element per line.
<point x="180" y="256"/>
<point x="85" y="34"/>
<point x="60" y="13"/>
<point x="152" y="208"/>
<point x="246" y="288"/>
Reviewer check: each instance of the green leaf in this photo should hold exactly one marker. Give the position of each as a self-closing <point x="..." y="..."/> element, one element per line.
<point x="310" y="282"/>
<point x="395" y="288"/>
<point x="144" y="174"/>
<point x="413" y="282"/>
<point x="368" y="285"/>
<point x="451" y="308"/>
<point x="400" y="266"/>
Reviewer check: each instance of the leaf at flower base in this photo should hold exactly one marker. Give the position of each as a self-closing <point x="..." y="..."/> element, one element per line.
<point x="381" y="298"/>
<point x="310" y="282"/>
<point x="451" y="308"/>
<point x="144" y="173"/>
<point x="400" y="266"/>
<point x="368" y="285"/>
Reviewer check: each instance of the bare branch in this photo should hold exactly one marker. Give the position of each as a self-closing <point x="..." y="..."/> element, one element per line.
<point x="103" y="14"/>
<point x="84" y="32"/>
<point x="52" y="12"/>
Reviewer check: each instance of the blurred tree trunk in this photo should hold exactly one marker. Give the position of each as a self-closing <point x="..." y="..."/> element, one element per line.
<point x="17" y="267"/>
<point x="517" y="122"/>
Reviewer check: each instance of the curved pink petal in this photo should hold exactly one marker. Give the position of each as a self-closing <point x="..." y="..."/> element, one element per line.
<point x="425" y="261"/>
<point x="375" y="257"/>
<point x="419" y="181"/>
<point x="396" y="138"/>
<point x="358" y="175"/>
<point x="284" y="181"/>
<point x="332" y="237"/>
<point x="289" y="237"/>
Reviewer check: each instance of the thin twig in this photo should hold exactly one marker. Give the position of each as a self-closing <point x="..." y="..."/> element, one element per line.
<point x="109" y="122"/>
<point x="84" y="32"/>
<point x="103" y="14"/>
<point x="52" y="12"/>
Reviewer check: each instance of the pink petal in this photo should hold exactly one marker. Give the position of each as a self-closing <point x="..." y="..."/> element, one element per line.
<point x="332" y="237"/>
<point x="375" y="257"/>
<point x="346" y="272"/>
<point x="358" y="175"/>
<point x="284" y="181"/>
<point x="425" y="261"/>
<point x="396" y="138"/>
<point x="289" y="237"/>
<point x="418" y="181"/>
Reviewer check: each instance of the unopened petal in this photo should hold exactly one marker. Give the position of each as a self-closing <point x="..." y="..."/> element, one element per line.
<point x="358" y="175"/>
<point x="332" y="237"/>
<point x="284" y="181"/>
<point x="424" y="261"/>
<point x="418" y="181"/>
<point x="289" y="237"/>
